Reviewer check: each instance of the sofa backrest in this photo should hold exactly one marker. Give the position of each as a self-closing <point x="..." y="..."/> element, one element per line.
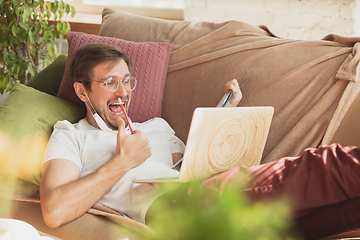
<point x="296" y="77"/>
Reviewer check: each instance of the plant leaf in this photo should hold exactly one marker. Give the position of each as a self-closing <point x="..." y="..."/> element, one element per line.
<point x="37" y="27"/>
<point x="52" y="34"/>
<point x="9" y="86"/>
<point x="46" y="36"/>
<point x="23" y="67"/>
<point x="28" y="76"/>
<point x="59" y="27"/>
<point x="24" y="26"/>
<point x="72" y="11"/>
<point x="26" y="14"/>
<point x="14" y="30"/>
<point x="31" y="36"/>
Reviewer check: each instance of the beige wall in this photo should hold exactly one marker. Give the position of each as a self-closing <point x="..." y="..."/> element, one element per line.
<point x="3" y="96"/>
<point x="296" y="19"/>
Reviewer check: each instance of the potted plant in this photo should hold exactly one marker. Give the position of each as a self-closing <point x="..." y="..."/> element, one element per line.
<point x="26" y="29"/>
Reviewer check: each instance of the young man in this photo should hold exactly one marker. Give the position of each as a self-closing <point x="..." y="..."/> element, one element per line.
<point x="88" y="166"/>
<point x="95" y="160"/>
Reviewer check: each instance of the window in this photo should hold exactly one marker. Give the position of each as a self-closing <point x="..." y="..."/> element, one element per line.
<point x="166" y="9"/>
<point x="166" y="4"/>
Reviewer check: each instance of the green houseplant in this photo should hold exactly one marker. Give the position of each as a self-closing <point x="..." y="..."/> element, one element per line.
<point x="25" y="31"/>
<point x="192" y="211"/>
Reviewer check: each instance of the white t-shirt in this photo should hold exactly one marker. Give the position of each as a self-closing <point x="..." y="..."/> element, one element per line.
<point x="90" y="148"/>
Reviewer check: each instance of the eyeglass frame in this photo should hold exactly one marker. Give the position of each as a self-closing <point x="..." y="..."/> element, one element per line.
<point x="118" y="82"/>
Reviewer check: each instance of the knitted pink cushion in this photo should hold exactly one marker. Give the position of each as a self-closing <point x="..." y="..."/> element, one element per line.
<point x="150" y="62"/>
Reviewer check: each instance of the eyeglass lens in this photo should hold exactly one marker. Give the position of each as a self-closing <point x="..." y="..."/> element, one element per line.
<point x="129" y="83"/>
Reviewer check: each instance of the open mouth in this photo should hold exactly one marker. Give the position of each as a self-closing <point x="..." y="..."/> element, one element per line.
<point x="115" y="108"/>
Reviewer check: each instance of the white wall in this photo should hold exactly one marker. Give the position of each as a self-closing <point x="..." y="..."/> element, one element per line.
<point x="3" y="96"/>
<point x="357" y="18"/>
<point x="296" y="19"/>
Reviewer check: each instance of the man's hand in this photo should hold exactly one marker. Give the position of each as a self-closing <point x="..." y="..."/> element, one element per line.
<point x="233" y="85"/>
<point x="135" y="147"/>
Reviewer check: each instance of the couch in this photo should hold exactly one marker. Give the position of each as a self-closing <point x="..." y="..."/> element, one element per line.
<point x="180" y="65"/>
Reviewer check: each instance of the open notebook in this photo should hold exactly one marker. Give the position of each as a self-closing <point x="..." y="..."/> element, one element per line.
<point x="221" y="138"/>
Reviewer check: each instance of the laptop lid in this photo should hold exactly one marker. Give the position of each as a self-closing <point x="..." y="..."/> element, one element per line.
<point x="221" y="138"/>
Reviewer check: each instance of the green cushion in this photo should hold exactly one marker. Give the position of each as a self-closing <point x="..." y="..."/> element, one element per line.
<point x="49" y="79"/>
<point x="26" y="120"/>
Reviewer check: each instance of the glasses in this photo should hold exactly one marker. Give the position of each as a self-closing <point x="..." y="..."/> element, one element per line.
<point x="112" y="83"/>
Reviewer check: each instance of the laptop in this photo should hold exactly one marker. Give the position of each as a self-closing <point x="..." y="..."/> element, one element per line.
<point x="221" y="138"/>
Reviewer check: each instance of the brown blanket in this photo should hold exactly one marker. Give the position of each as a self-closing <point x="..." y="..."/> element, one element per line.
<point x="300" y="79"/>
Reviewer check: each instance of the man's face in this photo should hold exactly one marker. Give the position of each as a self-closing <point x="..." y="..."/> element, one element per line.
<point x="106" y="103"/>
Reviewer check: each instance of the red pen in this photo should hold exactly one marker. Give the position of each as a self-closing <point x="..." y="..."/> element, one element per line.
<point x="126" y="117"/>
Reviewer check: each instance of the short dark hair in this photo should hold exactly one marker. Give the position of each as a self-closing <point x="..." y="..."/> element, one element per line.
<point x="87" y="57"/>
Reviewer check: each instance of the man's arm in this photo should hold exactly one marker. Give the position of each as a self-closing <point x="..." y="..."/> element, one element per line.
<point x="65" y="196"/>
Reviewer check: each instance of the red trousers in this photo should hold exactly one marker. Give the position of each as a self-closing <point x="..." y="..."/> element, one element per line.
<point x="323" y="182"/>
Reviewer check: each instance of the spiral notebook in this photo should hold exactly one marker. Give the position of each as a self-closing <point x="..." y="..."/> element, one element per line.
<point x="221" y="138"/>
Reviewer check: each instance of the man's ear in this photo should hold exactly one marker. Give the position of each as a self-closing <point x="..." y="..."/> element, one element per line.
<point x="80" y="91"/>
